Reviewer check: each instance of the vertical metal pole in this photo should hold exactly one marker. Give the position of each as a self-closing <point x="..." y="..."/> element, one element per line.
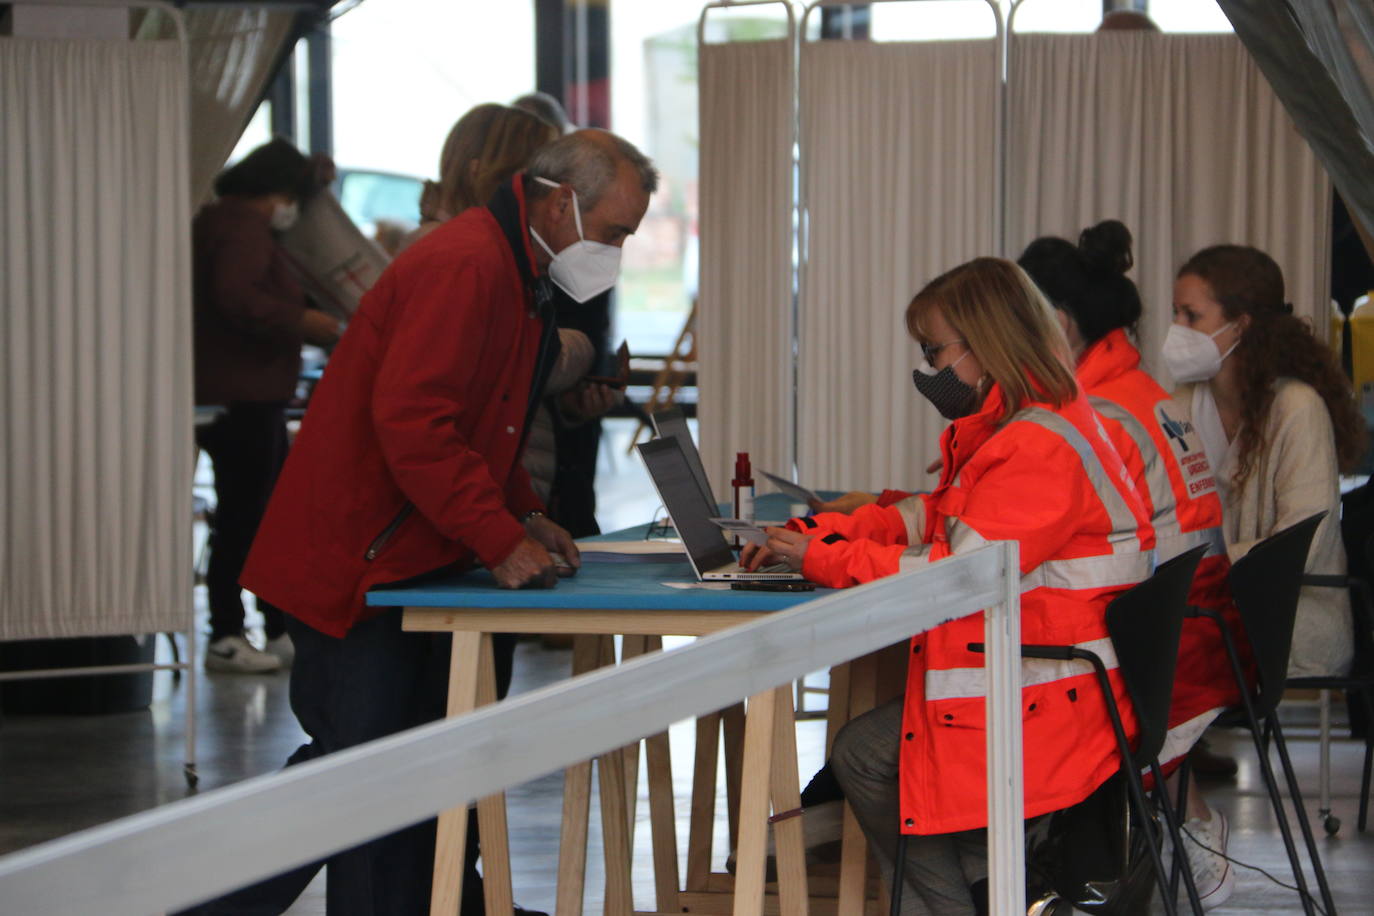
<point x="580" y="68"/>
<point x="1324" y="744"/>
<point x="1006" y="805"/>
<point x="282" y="95"/>
<point x="319" y="65"/>
<point x="549" y="48"/>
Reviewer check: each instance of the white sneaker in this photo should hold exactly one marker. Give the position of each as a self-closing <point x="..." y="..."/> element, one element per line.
<point x="236" y="655"/>
<point x="1212" y="873"/>
<point x="283" y="648"/>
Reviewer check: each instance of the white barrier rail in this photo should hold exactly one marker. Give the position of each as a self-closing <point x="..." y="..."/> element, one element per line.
<point x="234" y="836"/>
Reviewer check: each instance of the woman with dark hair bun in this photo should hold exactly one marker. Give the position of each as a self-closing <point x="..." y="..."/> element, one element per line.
<point x="1278" y="421"/>
<point x="1099" y="307"/>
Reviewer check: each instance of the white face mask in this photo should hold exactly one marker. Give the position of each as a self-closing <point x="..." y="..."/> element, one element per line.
<point x="584" y="269"/>
<point x="1192" y="356"/>
<point x="284" y="216"/>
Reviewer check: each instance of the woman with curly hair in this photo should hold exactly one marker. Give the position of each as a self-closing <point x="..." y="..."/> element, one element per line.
<point x="1278" y="421"/>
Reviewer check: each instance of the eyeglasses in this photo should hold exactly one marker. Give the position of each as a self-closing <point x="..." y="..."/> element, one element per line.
<point x="930" y="351"/>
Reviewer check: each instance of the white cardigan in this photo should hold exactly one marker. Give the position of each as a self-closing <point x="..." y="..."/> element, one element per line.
<point x="1294" y="476"/>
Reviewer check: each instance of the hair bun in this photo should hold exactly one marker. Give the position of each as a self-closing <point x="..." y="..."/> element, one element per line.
<point x="1107" y="246"/>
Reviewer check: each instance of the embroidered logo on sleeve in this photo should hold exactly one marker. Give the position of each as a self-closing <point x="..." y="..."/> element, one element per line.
<point x="1186" y="444"/>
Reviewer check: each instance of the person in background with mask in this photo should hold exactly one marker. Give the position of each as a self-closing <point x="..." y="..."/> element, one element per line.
<point x="408" y="462"/>
<point x="575" y="436"/>
<point x="996" y="364"/>
<point x="251" y="318"/>
<point x="1278" y="421"/>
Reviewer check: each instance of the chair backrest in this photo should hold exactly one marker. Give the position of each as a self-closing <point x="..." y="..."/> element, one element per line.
<point x="1265" y="584"/>
<point x="1144" y="624"/>
<point x="1357" y="534"/>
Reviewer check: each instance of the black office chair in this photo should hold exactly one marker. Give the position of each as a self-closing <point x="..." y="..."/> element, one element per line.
<point x="1144" y="624"/>
<point x="1358" y="684"/>
<point x="1264" y="585"/>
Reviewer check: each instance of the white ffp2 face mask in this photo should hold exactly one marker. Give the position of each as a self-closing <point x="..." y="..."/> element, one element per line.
<point x="1192" y="356"/>
<point x="584" y="269"/>
<point x="284" y="216"/>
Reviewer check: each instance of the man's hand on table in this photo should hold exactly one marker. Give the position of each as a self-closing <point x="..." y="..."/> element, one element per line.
<point x="554" y="537"/>
<point x="528" y="566"/>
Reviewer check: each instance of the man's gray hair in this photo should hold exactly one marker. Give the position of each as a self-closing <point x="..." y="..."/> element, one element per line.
<point x="588" y="161"/>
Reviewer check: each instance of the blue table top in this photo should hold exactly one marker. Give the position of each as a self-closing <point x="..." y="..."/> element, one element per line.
<point x="600" y="585"/>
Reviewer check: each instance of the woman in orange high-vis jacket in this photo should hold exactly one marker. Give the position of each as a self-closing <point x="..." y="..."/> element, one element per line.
<point x="1097" y="304"/>
<point x="1025" y="459"/>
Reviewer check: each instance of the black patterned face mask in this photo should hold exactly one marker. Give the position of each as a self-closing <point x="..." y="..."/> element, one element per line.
<point x="952" y="396"/>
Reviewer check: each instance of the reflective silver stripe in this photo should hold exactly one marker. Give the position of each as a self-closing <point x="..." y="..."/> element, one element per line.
<point x="962" y="537"/>
<point x="1105" y="571"/>
<point x="1124" y="537"/>
<point x="1170" y="547"/>
<point x="969" y="683"/>
<point x="913" y="557"/>
<point x="913" y="510"/>
<point x="1165" y="518"/>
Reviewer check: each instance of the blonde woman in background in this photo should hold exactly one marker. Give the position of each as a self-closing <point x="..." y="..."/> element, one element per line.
<point x="487" y="146"/>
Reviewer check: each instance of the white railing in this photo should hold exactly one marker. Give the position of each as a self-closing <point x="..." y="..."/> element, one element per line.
<point x="161" y="860"/>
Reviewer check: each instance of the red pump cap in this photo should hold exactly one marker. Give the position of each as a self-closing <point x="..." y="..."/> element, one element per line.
<point x="743" y="473"/>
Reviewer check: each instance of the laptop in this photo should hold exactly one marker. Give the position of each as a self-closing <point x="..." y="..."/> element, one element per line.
<point x="673" y="423"/>
<point x="691" y="511"/>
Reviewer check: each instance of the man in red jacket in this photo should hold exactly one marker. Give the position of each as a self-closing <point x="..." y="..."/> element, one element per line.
<point x="408" y="462"/>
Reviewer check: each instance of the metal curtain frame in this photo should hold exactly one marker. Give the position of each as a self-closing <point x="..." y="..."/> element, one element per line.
<point x="322" y="806"/>
<point x="1006" y="848"/>
<point x="999" y="115"/>
<point x="187" y="664"/>
<point x="792" y="214"/>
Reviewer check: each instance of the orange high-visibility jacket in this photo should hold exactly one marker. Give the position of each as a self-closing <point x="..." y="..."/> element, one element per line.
<point x="1050" y="479"/>
<point x="1171" y="471"/>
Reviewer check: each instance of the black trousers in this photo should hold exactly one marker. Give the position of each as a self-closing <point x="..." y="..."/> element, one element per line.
<point x="374" y="682"/>
<point x="247" y="445"/>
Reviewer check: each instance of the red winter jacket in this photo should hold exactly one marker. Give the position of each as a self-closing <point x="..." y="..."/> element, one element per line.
<point x="1050" y="479"/>
<point x="423" y="405"/>
<point x="1173" y="476"/>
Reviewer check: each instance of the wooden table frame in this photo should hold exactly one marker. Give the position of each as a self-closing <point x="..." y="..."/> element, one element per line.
<point x="763" y="741"/>
<point x="764" y="779"/>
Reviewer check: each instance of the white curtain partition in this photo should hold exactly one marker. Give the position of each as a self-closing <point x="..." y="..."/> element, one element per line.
<point x="744" y="311"/>
<point x="232" y="53"/>
<point x="1178" y="136"/>
<point x="898" y="151"/>
<point x="95" y="410"/>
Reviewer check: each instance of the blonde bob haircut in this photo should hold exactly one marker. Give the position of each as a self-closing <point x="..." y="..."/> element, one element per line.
<point x="488" y="145"/>
<point x="1006" y="322"/>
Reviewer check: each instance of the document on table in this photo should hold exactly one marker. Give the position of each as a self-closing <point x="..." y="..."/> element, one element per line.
<point x="745" y="531"/>
<point x="640" y="551"/>
<point x="799" y="493"/>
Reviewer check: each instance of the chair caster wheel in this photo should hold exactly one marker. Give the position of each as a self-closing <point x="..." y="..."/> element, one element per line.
<point x="1332" y="824"/>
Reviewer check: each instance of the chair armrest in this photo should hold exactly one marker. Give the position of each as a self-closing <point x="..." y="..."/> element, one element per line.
<point x="1321" y="581"/>
<point x="1058" y="653"/>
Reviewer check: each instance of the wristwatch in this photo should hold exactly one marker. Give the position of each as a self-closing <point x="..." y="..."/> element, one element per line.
<point x="533" y="513"/>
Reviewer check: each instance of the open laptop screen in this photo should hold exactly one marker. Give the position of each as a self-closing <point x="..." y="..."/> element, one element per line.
<point x="690" y="510"/>
<point x="673" y="422"/>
